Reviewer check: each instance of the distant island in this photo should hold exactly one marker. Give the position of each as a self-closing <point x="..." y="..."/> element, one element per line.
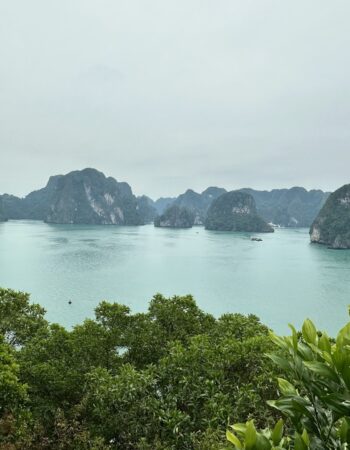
<point x="295" y="207"/>
<point x="332" y="225"/>
<point x="175" y="217"/>
<point x="89" y="197"/>
<point x="235" y="211"/>
<point x="198" y="203"/>
<point x="81" y="197"/>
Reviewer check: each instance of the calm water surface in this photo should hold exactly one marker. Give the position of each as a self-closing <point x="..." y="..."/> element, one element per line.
<point x="282" y="279"/>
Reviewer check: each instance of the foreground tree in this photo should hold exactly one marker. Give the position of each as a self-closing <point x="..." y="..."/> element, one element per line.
<point x="19" y="319"/>
<point x="13" y="395"/>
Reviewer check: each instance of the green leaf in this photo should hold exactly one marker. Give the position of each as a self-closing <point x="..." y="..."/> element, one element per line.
<point x="277" y="432"/>
<point x="305" y="352"/>
<point x="250" y="435"/>
<point x="324" y="343"/>
<point x="343" y="337"/>
<point x="279" y="361"/>
<point x="233" y="439"/>
<point x="305" y="437"/>
<point x="279" y="341"/>
<point x="343" y="431"/>
<point x="327" y="357"/>
<point x="294" y="336"/>
<point x="292" y="406"/>
<point x="285" y="387"/>
<point x="345" y="372"/>
<point x="323" y="370"/>
<point x="299" y="443"/>
<point x="262" y="443"/>
<point x="309" y="331"/>
<point x="338" y="403"/>
<point x="239" y="427"/>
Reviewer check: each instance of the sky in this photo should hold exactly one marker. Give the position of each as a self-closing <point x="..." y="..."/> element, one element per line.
<point x="170" y="95"/>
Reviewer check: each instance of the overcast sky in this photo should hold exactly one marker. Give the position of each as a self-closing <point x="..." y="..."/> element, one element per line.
<point x="168" y="95"/>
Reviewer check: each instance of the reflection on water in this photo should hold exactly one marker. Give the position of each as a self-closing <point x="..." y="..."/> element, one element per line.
<point x="282" y="279"/>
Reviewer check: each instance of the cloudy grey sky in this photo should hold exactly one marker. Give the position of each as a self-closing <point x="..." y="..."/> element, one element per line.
<point x="174" y="94"/>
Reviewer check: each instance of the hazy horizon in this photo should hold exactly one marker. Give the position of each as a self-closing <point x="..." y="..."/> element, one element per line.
<point x="171" y="96"/>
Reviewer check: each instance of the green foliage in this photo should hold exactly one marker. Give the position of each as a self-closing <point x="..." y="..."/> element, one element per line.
<point x="123" y="408"/>
<point x="314" y="395"/>
<point x="12" y="392"/>
<point x="245" y="436"/>
<point x="19" y="320"/>
<point x="52" y="372"/>
<point x="13" y="395"/>
<point x="167" y="320"/>
<point x="171" y="378"/>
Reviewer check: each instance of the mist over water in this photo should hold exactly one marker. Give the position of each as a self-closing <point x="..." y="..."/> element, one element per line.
<point x="282" y="279"/>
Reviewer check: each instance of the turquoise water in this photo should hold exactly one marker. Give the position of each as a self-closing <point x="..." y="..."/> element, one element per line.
<point x="282" y="279"/>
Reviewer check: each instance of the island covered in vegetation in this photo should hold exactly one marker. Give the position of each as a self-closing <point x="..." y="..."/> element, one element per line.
<point x="173" y="377"/>
<point x="235" y="211"/>
<point x="81" y="197"/>
<point x="175" y="217"/>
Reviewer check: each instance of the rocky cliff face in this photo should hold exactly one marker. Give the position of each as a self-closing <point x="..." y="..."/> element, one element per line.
<point x="175" y="217"/>
<point x="332" y="226"/>
<point x="235" y="211"/>
<point x="88" y="197"/>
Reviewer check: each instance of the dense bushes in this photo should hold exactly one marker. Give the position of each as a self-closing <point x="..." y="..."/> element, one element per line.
<point x="171" y="378"/>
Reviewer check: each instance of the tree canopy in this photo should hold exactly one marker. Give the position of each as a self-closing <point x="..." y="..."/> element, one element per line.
<point x="172" y="377"/>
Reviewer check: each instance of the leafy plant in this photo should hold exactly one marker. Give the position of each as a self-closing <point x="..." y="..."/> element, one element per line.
<point x="314" y="395"/>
